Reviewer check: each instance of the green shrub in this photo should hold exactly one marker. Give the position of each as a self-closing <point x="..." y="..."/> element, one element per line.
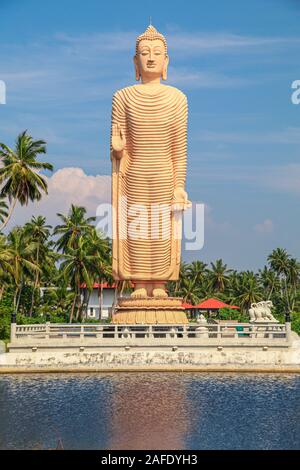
<point x="102" y="321"/>
<point x="4" y="325"/>
<point x="227" y="313"/>
<point x="6" y="309"/>
<point x="296" y="322"/>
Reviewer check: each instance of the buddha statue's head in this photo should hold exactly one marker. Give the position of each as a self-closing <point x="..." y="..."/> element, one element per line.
<point x="151" y="56"/>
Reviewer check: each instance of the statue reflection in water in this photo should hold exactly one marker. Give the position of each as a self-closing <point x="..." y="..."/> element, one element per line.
<point x="157" y="417"/>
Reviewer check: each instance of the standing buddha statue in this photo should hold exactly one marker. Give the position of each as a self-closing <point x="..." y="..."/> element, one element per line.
<point x="149" y="154"/>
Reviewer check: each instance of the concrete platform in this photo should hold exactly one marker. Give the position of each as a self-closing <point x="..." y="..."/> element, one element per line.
<point x="212" y="359"/>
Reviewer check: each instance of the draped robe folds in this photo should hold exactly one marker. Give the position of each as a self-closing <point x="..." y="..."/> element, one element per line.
<point x="153" y="165"/>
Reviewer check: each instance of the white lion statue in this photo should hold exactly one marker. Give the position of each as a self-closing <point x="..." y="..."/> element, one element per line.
<point x="261" y="312"/>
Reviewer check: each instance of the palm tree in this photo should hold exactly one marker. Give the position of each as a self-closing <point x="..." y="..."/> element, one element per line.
<point x="219" y="276"/>
<point x="248" y="290"/>
<point x="293" y="274"/>
<point x="229" y="294"/>
<point x="38" y="232"/>
<point x="77" y="267"/>
<point x="183" y="274"/>
<point x="20" y="172"/>
<point x="59" y="299"/>
<point x="6" y="256"/>
<point x="279" y="261"/>
<point x="293" y="281"/>
<point x="197" y="271"/>
<point x="74" y="226"/>
<point x="22" y="264"/>
<point x="100" y="248"/>
<point x="269" y="280"/>
<point x="189" y="291"/>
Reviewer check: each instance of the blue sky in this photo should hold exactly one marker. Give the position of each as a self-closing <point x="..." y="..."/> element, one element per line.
<point x="236" y="62"/>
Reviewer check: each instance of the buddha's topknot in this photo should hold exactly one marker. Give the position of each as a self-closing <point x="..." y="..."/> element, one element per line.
<point x="151" y="33"/>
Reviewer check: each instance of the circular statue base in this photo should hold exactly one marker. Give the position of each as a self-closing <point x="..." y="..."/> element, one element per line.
<point x="149" y="310"/>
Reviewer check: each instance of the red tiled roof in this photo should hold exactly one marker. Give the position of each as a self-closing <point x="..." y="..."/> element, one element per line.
<point x="98" y="285"/>
<point x="213" y="304"/>
<point x="188" y="306"/>
<point x="105" y="285"/>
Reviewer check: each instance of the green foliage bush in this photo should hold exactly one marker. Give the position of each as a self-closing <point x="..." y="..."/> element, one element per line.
<point x="91" y="320"/>
<point x="4" y="325"/>
<point x="227" y="313"/>
<point x="296" y="322"/>
<point x="6" y="309"/>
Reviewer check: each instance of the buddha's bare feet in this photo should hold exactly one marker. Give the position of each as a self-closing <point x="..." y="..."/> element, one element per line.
<point x="139" y="293"/>
<point x="159" y="292"/>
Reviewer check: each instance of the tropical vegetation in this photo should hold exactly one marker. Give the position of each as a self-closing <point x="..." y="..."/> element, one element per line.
<point x="49" y="272"/>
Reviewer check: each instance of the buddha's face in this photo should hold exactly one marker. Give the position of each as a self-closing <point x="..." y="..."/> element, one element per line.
<point x="151" y="59"/>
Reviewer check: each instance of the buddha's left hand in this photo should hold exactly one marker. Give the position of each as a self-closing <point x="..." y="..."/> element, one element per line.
<point x="180" y="200"/>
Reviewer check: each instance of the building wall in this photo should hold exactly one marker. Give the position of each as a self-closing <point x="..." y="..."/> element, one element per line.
<point x="93" y="306"/>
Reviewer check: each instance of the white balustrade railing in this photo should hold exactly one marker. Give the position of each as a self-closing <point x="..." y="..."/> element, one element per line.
<point x="242" y="332"/>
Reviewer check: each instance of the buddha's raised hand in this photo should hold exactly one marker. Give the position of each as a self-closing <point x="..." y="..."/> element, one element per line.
<point x="118" y="140"/>
<point x="180" y="200"/>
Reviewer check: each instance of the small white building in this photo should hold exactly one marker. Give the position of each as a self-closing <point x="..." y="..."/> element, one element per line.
<point x="95" y="302"/>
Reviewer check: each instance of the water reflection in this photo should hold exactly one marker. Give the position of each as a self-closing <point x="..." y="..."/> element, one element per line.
<point x="150" y="411"/>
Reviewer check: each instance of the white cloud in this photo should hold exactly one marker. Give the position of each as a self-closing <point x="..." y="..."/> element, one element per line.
<point x="290" y="135"/>
<point x="214" y="225"/>
<point x="65" y="187"/>
<point x="284" y="178"/>
<point x="192" y="43"/>
<point x="180" y="41"/>
<point x="266" y="226"/>
<point x="194" y="79"/>
<point x="88" y="66"/>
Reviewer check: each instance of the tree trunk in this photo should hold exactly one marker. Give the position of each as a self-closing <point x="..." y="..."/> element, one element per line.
<point x="271" y="291"/>
<point x="15" y="298"/>
<point x="115" y="297"/>
<point x="35" y="282"/>
<point x="11" y="209"/>
<point x="101" y="301"/>
<point x="32" y="295"/>
<point x="287" y="295"/>
<point x="85" y="303"/>
<point x="72" y="309"/>
<point x="19" y="297"/>
<point x="79" y="306"/>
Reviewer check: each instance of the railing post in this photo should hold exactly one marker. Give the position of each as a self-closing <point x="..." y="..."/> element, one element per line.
<point x="99" y="332"/>
<point x="250" y="329"/>
<point x="13" y="327"/>
<point x="47" y="335"/>
<point x="150" y="332"/>
<point x="288" y="331"/>
<point x="218" y="331"/>
<point x="172" y="333"/>
<point x="82" y="332"/>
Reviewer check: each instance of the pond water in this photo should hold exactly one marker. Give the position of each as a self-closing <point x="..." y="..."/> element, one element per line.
<point x="150" y="411"/>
